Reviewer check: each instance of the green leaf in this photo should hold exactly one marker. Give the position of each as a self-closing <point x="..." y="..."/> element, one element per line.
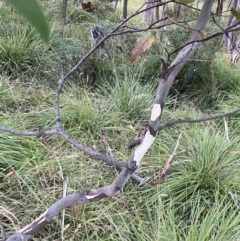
<point x="235" y="13"/>
<point x="184" y="1"/>
<point x="33" y="13"/>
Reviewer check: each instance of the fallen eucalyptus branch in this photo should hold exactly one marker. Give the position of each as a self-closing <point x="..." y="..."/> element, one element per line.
<point x="127" y="168"/>
<point x="77" y="198"/>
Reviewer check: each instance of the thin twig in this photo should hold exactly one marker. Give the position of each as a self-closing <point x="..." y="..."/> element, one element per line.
<point x="28" y="133"/>
<point x="4" y="235"/>
<point x="57" y="96"/>
<point x="235" y="199"/>
<point x="65" y="182"/>
<point x="167" y="163"/>
<point x="109" y="160"/>
<point x="181" y="121"/>
<point x="150" y="27"/>
<point x="109" y="151"/>
<point x="226" y="129"/>
<point x="230" y="29"/>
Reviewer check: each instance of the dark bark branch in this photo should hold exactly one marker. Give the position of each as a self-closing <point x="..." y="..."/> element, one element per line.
<point x="57" y="97"/>
<point x="108" y="159"/>
<point x="152" y="26"/>
<point x="189" y="6"/>
<point x="125" y="5"/>
<point x="127" y="168"/>
<point x="230" y="29"/>
<point x="180" y="121"/>
<point x="138" y="179"/>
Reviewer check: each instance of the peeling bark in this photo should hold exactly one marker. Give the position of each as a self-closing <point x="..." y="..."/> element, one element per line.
<point x="165" y="84"/>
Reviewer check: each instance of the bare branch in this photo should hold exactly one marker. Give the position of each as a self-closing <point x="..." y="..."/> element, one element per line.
<point x="109" y="160"/>
<point x="129" y="168"/>
<point x="150" y="27"/>
<point x="4" y="236"/>
<point x="57" y="96"/>
<point x="226" y="129"/>
<point x="72" y="199"/>
<point x="180" y="25"/>
<point x="180" y="121"/>
<point x="138" y="179"/>
<point x="189" y="6"/>
<point x="28" y="133"/>
<point x="230" y="29"/>
<point x="166" y="83"/>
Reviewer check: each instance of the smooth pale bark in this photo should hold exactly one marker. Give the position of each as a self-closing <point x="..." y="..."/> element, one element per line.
<point x="154" y="124"/>
<point x="148" y="14"/>
<point x="165" y="84"/>
<point x="228" y="40"/>
<point x="235" y="52"/>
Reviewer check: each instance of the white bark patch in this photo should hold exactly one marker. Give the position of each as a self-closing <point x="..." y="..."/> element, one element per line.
<point x="143" y="147"/>
<point x="156" y="112"/>
<point x="92" y="196"/>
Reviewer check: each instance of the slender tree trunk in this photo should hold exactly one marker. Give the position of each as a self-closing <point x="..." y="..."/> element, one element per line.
<point x="235" y="52"/>
<point x="128" y="168"/>
<point x="157" y="13"/>
<point x="64" y="14"/>
<point x="116" y="3"/>
<point x="164" y="14"/>
<point x="149" y="14"/>
<point x="125" y="5"/>
<point x="219" y="7"/>
<point x="228" y="40"/>
<point x="177" y="11"/>
<point x="198" y="3"/>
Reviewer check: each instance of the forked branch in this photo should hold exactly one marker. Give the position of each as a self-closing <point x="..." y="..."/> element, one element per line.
<point x="127" y="168"/>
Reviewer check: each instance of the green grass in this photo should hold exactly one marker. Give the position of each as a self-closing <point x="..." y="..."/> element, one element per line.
<point x="112" y="97"/>
<point x="194" y="202"/>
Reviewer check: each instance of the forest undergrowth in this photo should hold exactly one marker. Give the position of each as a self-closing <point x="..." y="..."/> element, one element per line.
<point x="104" y="105"/>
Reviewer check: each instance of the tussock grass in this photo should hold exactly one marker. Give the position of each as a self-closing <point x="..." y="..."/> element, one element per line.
<point x="194" y="201"/>
<point x="112" y="98"/>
